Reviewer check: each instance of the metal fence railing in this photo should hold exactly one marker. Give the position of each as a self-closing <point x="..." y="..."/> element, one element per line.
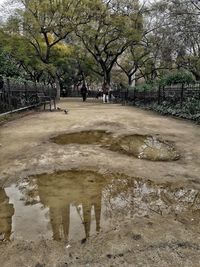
<point x="174" y="94"/>
<point x="17" y="94"/>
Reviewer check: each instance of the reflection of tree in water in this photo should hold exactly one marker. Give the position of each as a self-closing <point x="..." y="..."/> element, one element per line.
<point x="120" y="195"/>
<point x="6" y="213"/>
<point x="143" y="197"/>
<point x="61" y="189"/>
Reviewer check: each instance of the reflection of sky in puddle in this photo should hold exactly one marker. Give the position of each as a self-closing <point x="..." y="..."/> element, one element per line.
<point x="74" y="205"/>
<point x="64" y="206"/>
<point x="28" y="222"/>
<point x="31" y="222"/>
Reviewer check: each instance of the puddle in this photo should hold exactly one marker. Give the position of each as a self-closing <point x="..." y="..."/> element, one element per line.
<point x="139" y="146"/>
<point x="6" y="213"/>
<point x="74" y="205"/>
<point x="145" y="147"/>
<point x="84" y="137"/>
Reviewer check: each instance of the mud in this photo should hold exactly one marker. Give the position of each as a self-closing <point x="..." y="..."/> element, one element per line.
<point x="124" y="211"/>
<point x="84" y="137"/>
<point x="140" y="146"/>
<point x="145" y="147"/>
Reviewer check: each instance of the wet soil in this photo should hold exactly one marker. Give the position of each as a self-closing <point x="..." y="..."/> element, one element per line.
<point x="87" y="205"/>
<point x="83" y="137"/>
<point x="140" y="146"/>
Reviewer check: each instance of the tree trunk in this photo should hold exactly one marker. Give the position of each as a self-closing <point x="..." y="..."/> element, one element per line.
<point x="57" y="88"/>
<point x="131" y="80"/>
<point x="107" y="77"/>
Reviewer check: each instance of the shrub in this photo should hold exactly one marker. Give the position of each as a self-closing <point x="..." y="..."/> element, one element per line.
<point x="178" y="77"/>
<point x="148" y="86"/>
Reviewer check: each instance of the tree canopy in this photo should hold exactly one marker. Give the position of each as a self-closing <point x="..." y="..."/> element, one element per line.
<point x="74" y="40"/>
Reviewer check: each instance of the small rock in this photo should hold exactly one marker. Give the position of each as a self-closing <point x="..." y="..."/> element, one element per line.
<point x="83" y="241"/>
<point x="136" y="236"/>
<point x="109" y="256"/>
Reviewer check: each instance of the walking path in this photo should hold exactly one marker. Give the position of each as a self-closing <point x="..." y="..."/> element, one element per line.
<point x="26" y="149"/>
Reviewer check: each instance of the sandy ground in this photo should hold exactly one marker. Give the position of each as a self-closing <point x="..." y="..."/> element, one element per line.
<point x="26" y="149"/>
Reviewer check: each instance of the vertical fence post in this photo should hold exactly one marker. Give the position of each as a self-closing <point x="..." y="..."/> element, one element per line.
<point x="199" y="91"/>
<point x="26" y="93"/>
<point x="182" y="91"/>
<point x="126" y="96"/>
<point x="159" y="89"/>
<point x="9" y="94"/>
<point x="134" y="89"/>
<point x="50" y="91"/>
<point x="35" y="85"/>
<point x="163" y="93"/>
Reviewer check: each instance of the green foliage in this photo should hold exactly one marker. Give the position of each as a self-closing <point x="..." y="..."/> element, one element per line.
<point x="191" y="106"/>
<point x="148" y="86"/>
<point x="8" y="66"/>
<point x="178" y="77"/>
<point x="17" y="57"/>
<point x="189" y="110"/>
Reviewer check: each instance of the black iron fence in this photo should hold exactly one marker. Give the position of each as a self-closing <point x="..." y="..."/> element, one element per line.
<point x="174" y="94"/>
<point x="17" y="94"/>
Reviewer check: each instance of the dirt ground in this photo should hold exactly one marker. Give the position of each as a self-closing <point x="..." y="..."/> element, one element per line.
<point x="151" y="240"/>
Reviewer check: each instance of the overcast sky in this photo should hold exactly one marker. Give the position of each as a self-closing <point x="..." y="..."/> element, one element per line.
<point x="2" y="1"/>
<point x="3" y="8"/>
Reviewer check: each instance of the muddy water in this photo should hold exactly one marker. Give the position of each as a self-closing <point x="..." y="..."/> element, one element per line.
<point x="140" y="146"/>
<point x="6" y="213"/>
<point x="83" y="137"/>
<point x="74" y="205"/>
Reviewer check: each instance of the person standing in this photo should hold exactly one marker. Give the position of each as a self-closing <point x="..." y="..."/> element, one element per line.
<point x="84" y="92"/>
<point x="105" y="89"/>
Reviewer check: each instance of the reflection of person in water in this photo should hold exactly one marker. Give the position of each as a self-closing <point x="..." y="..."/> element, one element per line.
<point x="6" y="213"/>
<point x="59" y="198"/>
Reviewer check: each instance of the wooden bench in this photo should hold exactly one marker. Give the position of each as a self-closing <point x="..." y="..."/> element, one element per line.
<point x="43" y="99"/>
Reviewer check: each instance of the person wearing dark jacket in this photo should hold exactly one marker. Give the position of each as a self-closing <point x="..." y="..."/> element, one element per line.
<point x="105" y="90"/>
<point x="84" y="92"/>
